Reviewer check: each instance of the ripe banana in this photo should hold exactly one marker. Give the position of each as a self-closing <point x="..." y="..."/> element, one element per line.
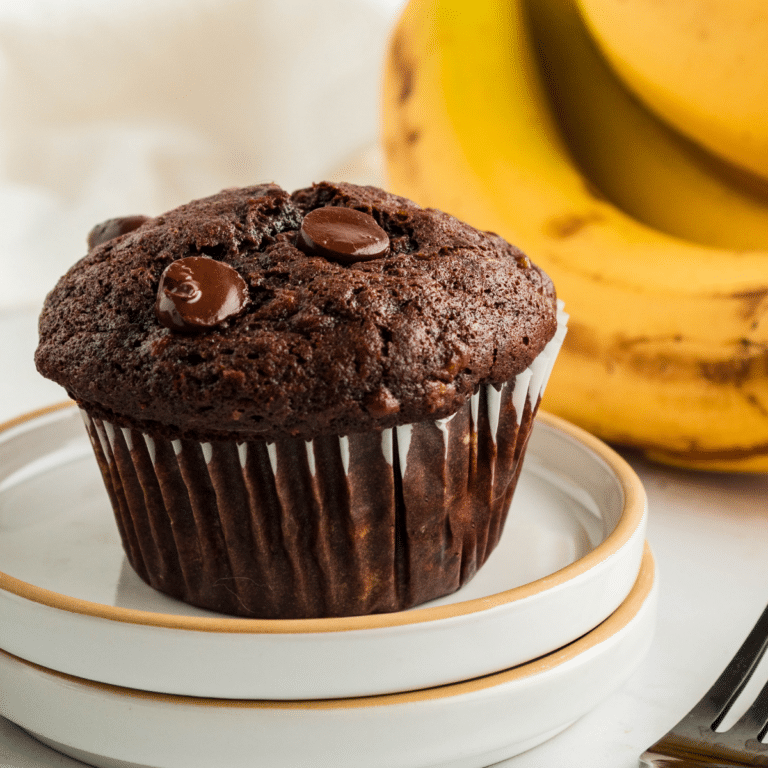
<point x="640" y="164"/>
<point x="668" y="342"/>
<point x="700" y="64"/>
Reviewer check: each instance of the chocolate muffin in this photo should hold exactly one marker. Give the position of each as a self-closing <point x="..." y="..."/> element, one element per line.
<point x="308" y="404"/>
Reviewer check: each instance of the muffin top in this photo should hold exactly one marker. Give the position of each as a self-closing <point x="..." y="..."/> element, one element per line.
<point x="279" y="318"/>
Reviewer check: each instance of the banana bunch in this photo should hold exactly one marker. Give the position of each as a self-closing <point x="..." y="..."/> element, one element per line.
<point x="700" y="64"/>
<point x="631" y="156"/>
<point x="505" y="114"/>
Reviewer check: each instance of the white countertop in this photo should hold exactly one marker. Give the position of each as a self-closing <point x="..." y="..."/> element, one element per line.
<point x="709" y="534"/>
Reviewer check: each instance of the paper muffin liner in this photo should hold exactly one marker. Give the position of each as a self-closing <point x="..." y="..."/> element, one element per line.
<point x="335" y="526"/>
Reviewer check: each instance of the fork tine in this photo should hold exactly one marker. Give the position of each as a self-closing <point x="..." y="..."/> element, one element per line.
<point x="726" y="689"/>
<point x="739" y="745"/>
<point x="694" y="737"/>
<point x="750" y="727"/>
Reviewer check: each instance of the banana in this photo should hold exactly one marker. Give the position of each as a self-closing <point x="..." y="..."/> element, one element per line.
<point x="702" y="65"/>
<point x="667" y="348"/>
<point x="640" y="164"/>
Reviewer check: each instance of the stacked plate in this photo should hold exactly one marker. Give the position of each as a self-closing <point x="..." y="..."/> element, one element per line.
<point x="101" y="667"/>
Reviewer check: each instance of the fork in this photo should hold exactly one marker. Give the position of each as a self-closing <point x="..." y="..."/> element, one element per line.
<point x="694" y="742"/>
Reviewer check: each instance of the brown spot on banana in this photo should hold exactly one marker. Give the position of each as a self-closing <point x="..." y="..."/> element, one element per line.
<point x="642" y="354"/>
<point x="403" y="66"/>
<point x="568" y="225"/>
<point x="402" y="123"/>
<point x="755" y="302"/>
<point x="666" y="356"/>
<point x="749" y="363"/>
<point x="582" y="339"/>
<point x="705" y="456"/>
<point x="755" y="403"/>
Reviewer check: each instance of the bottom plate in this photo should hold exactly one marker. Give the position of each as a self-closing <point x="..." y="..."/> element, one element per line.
<point x="464" y="725"/>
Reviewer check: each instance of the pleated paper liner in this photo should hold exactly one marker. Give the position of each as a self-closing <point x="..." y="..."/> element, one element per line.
<point x="335" y="526"/>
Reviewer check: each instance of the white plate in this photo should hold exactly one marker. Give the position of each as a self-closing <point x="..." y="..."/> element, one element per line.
<point x="464" y="725"/>
<point x="569" y="555"/>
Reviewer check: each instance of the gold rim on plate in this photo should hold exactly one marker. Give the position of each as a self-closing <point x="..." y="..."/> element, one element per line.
<point x="611" y="626"/>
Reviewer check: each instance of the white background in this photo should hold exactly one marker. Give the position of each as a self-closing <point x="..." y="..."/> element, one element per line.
<point x="136" y="106"/>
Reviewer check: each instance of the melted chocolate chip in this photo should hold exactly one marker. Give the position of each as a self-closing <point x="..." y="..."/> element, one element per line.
<point x="197" y="293"/>
<point x="342" y="234"/>
<point x="112" y="228"/>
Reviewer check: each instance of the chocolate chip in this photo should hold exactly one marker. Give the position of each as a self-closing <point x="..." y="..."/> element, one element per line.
<point x="342" y="234"/>
<point x="112" y="228"/>
<point x="197" y="293"/>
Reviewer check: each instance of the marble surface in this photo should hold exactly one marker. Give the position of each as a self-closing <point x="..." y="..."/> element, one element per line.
<point x="709" y="534"/>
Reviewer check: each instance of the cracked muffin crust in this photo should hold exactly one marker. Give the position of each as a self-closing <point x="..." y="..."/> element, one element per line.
<point x="321" y="347"/>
